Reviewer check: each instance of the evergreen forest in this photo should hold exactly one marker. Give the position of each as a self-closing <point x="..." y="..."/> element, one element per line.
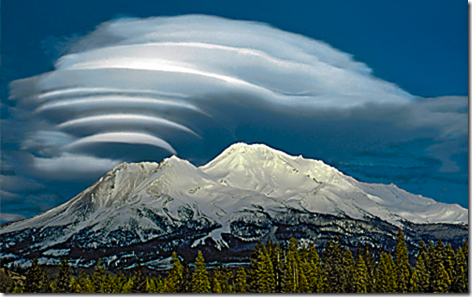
<point x="295" y="269"/>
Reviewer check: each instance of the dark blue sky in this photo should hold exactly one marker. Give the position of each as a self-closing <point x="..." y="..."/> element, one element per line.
<point x="421" y="46"/>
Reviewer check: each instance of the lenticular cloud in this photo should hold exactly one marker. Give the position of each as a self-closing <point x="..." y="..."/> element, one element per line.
<point x="154" y="81"/>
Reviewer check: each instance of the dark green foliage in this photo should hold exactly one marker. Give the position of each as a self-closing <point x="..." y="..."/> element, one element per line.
<point x="350" y="267"/>
<point x="360" y="276"/>
<point x="385" y="276"/>
<point x="62" y="284"/>
<point x="291" y="269"/>
<point x="370" y="264"/>
<point x="34" y="276"/>
<point x="174" y="280"/>
<point x="139" y="281"/>
<point x="295" y="269"/>
<point x="200" y="283"/>
<point x="422" y="274"/>
<point x="240" y="283"/>
<point x="333" y="268"/>
<point x="401" y="264"/>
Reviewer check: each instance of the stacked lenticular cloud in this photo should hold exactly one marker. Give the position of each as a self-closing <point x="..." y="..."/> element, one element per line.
<point x="151" y="81"/>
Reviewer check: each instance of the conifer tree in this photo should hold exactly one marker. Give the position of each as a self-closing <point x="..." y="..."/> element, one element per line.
<point x="119" y="282"/>
<point x="449" y="264"/>
<point x="360" y="276"/>
<point x="139" y="280"/>
<point x="291" y="269"/>
<point x="99" y="276"/>
<point x="392" y="273"/>
<point x="333" y="268"/>
<point x="186" y="286"/>
<point x="45" y="284"/>
<point x="75" y="286"/>
<point x="34" y="275"/>
<point x="276" y="256"/>
<point x="264" y="273"/>
<point x="461" y="283"/>
<point x="370" y="264"/>
<point x="63" y="278"/>
<point x="385" y="276"/>
<point x="215" y="283"/>
<point x="85" y="283"/>
<point x="174" y="280"/>
<point x="151" y="286"/>
<point x="240" y="284"/>
<point x="423" y="275"/>
<point x="128" y="285"/>
<point x="253" y="277"/>
<point x="350" y="267"/>
<point x="413" y="284"/>
<point x="316" y="277"/>
<point x="439" y="279"/>
<point x="200" y="283"/>
<point x="401" y="263"/>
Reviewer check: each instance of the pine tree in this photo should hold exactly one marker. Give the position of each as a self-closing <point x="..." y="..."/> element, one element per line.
<point x="413" y="284"/>
<point x="276" y="256"/>
<point x="385" y="275"/>
<point x="139" y="281"/>
<point x="360" y="276"/>
<point x="401" y="263"/>
<point x="186" y="286"/>
<point x="215" y="283"/>
<point x="45" y="284"/>
<point x="86" y="284"/>
<point x="63" y="278"/>
<point x="174" y="280"/>
<point x="255" y="258"/>
<point x="200" y="283"/>
<point x="128" y="285"/>
<point x="74" y="285"/>
<point x="240" y="284"/>
<point x="151" y="286"/>
<point x="34" y="275"/>
<point x="461" y="283"/>
<point x="99" y="276"/>
<point x="264" y="273"/>
<point x="439" y="279"/>
<point x="449" y="264"/>
<point x="317" y="276"/>
<point x="370" y="264"/>
<point x="291" y="269"/>
<point x="423" y="275"/>
<point x="350" y="267"/>
<point x="333" y="268"/>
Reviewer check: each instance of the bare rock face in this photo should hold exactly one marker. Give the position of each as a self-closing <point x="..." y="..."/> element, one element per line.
<point x="143" y="212"/>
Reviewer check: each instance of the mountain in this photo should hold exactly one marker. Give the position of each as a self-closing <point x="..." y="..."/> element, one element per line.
<point x="143" y="212"/>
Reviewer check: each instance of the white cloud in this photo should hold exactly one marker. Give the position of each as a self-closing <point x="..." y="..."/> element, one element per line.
<point x="185" y="85"/>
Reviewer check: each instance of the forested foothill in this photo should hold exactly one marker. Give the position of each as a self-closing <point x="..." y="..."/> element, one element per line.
<point x="298" y="268"/>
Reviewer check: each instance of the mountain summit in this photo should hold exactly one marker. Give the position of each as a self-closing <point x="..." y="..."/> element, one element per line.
<point x="142" y="212"/>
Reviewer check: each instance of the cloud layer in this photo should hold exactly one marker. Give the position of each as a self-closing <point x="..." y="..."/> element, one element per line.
<point x="141" y="89"/>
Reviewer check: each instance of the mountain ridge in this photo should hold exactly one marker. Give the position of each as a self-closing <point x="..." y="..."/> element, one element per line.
<point x="245" y="194"/>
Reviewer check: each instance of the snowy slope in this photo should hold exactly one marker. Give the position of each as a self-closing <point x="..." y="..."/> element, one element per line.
<point x="253" y="184"/>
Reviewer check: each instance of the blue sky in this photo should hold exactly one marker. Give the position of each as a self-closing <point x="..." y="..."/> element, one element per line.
<point x="419" y="46"/>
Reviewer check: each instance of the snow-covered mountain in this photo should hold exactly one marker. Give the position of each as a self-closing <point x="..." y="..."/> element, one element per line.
<point x="142" y="212"/>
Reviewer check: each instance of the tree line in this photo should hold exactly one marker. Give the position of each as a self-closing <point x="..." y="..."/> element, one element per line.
<point x="295" y="269"/>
